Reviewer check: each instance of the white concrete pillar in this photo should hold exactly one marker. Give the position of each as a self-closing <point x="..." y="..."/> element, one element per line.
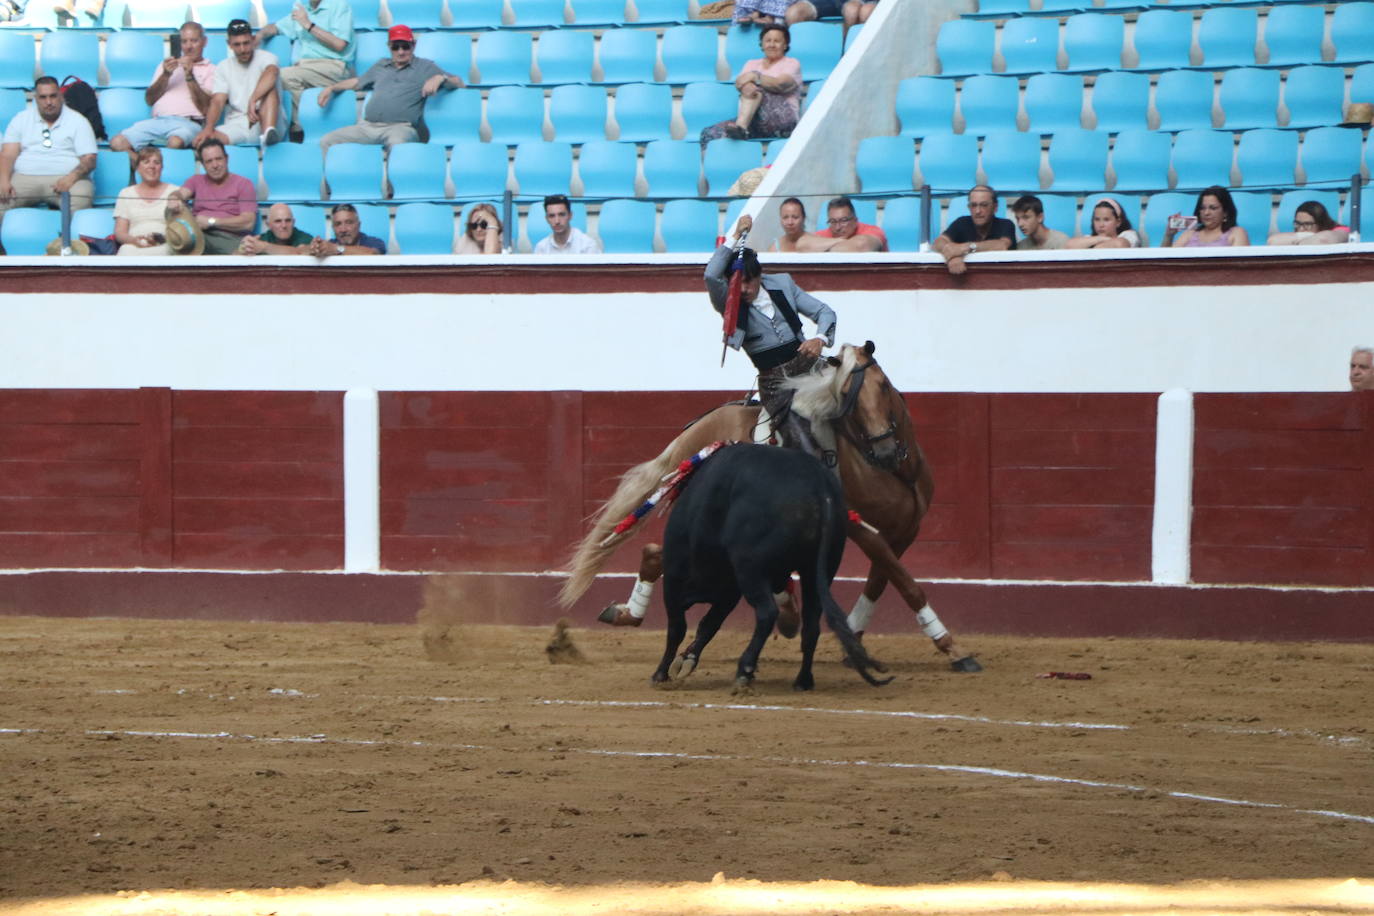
<point x="362" y="481"/>
<point x="1173" y="520"/>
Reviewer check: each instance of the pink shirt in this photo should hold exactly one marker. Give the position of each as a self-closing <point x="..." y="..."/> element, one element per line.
<point x="237" y="195"/>
<point x="864" y="229"/>
<point x="785" y="66"/>
<point x="177" y="101"/>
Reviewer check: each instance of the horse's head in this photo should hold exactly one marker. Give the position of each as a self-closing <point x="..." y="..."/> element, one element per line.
<point x="868" y="416"/>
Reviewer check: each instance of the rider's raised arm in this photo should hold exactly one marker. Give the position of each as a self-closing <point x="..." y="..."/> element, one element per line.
<point x="717" y="281"/>
<point x="808" y="305"/>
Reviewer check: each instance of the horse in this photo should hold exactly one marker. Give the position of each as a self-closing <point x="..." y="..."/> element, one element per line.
<point x="886" y="479"/>
<point x="724" y="541"/>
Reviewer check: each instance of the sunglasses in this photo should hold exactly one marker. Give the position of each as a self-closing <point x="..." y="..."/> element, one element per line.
<point x="402" y="45"/>
<point x="475" y="226"/>
<point x="47" y="138"/>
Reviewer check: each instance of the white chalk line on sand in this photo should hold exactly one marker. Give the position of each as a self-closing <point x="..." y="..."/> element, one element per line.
<point x="996" y="772"/>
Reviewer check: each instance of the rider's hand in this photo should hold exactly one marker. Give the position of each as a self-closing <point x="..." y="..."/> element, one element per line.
<point x="745" y="223"/>
<point x="812" y="348"/>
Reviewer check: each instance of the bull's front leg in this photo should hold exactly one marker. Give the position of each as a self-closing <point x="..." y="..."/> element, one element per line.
<point x="765" y="618"/>
<point x="631" y="613"/>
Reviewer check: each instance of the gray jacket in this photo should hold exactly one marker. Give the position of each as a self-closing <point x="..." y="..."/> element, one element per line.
<point x="766" y="333"/>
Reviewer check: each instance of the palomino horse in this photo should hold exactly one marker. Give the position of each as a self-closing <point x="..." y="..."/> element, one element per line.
<point x="885" y="476"/>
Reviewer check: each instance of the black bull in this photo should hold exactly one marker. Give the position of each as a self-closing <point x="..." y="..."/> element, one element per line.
<point x="748" y="518"/>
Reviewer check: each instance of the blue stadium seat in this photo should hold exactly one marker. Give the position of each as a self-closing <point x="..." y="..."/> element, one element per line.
<point x="368" y="48"/>
<point x="417" y="171"/>
<point x="449" y="49"/>
<point x="1140" y="159"/>
<point x="1163" y="39"/>
<point x="131" y="58"/>
<point x="732" y="211"/>
<point x="626" y="227"/>
<point x="314" y="221"/>
<point x="120" y="108"/>
<point x="1061" y="212"/>
<point x="1121" y="101"/>
<point x="661" y="12"/>
<point x="1313" y="96"/>
<point x="1030" y="45"/>
<point x="813" y="92"/>
<point x="628" y="56"/>
<point x="1227" y="37"/>
<point x="1203" y="158"/>
<point x="1352" y="33"/>
<point x="476" y="14"/>
<point x="217" y="14"/>
<point x="925" y="104"/>
<point x="817" y="46"/>
<point x="537" y="226"/>
<point x="578" y="113"/>
<point x="178" y="165"/>
<point x="999" y="9"/>
<point x="1250" y="98"/>
<point x="12" y="101"/>
<point x="504" y="58"/>
<point x="424" y="228"/>
<point x="150" y="14"/>
<point x="1254" y="210"/>
<point x="989" y="103"/>
<point x="689" y="225"/>
<point x="741" y="46"/>
<point x="852" y="35"/>
<point x="452" y="116"/>
<point x="690" y="53"/>
<point x="1293" y="35"/>
<point x="367" y="14"/>
<point x="949" y="162"/>
<point x="1064" y="6"/>
<point x="18" y="59"/>
<point x="27" y="231"/>
<point x="672" y="168"/>
<point x="1012" y="160"/>
<point x="1093" y="41"/>
<point x="96" y="222"/>
<point x="515" y="114"/>
<point x="1331" y="155"/>
<point x="1078" y="159"/>
<point x="1289" y="202"/>
<point x="886" y="165"/>
<point x="353" y="171"/>
<point x="772" y="149"/>
<point x="543" y="168"/>
<point x="598" y="12"/>
<point x="956" y="207"/>
<point x="565" y="56"/>
<point x="293" y="172"/>
<point x="112" y="175"/>
<point x="479" y="170"/>
<point x="644" y="111"/>
<point x="342" y="111"/>
<point x="75" y="52"/>
<point x="375" y="219"/>
<point x="704" y="104"/>
<point x="1125" y="5"/>
<point x="539" y="14"/>
<point x="1054" y="102"/>
<point x="607" y="168"/>
<point x="902" y="223"/>
<point x="1183" y="99"/>
<point x="965" y="47"/>
<point x="725" y="159"/>
<point x="418" y="14"/>
<point x="1362" y="84"/>
<point x="866" y="209"/>
<point x="1159" y="208"/>
<point x="1267" y="158"/>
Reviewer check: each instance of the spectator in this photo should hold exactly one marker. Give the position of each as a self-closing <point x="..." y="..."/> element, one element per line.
<point x="141" y="210"/>
<point x="245" y="93"/>
<point x="48" y="148"/>
<point x="322" y="42"/>
<point x="566" y="238"/>
<point x="483" y="233"/>
<point x="1111" y="228"/>
<point x="179" y="95"/>
<point x="809" y="10"/>
<point x="400" y="85"/>
<point x="1030" y="219"/>
<point x="92" y="8"/>
<point x="981" y="230"/>
<point x="856" y="12"/>
<point x="1213" y="224"/>
<point x="225" y="205"/>
<point x="1312" y="225"/>
<point x="848" y="233"/>
<point x="760" y="12"/>
<point x="792" y="216"/>
<point x="281" y="237"/>
<point x="769" y="92"/>
<point x="349" y="237"/>
<point x="1362" y="369"/>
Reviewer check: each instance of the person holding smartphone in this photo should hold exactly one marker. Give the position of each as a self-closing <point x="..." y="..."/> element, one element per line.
<point x="482" y="235"/>
<point x="1213" y="224"/>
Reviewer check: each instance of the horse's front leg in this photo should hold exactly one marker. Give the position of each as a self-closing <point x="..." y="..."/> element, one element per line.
<point x="631" y="613"/>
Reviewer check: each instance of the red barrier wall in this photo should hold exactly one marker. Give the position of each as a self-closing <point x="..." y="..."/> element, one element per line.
<point x="1283" y="488"/>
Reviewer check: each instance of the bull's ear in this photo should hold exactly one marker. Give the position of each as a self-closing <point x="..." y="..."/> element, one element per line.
<point x="833" y="360"/>
<point x="869" y="347"/>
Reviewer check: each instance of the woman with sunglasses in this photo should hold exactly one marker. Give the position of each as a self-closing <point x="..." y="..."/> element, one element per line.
<point x="141" y="209"/>
<point x="1312" y="225"/>
<point x="483" y="233"/>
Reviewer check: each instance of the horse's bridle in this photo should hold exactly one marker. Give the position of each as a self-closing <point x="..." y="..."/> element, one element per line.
<point x="864" y="443"/>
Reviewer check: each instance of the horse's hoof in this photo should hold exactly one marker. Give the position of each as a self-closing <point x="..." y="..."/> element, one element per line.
<point x="968" y="665"/>
<point x="682" y="666"/>
<point x="744" y="687"/>
<point x="618" y="615"/>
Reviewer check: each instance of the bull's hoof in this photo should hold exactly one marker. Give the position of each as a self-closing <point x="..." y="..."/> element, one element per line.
<point x="789" y="621"/>
<point x="744" y="687"/>
<point x="618" y="615"/>
<point x="803" y="684"/>
<point x="968" y="665"/>
<point x="682" y="666"/>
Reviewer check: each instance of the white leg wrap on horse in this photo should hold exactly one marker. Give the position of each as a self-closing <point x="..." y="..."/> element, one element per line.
<point x="931" y="623"/>
<point x="862" y="614"/>
<point x="639" y="598"/>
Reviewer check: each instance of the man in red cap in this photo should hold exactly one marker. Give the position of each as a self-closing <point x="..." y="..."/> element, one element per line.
<point x="400" y="84"/>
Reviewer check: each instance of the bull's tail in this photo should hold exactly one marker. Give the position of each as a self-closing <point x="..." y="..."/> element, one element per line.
<point x="835" y="617"/>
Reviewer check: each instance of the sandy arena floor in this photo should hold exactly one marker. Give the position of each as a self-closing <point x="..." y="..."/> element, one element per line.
<point x="451" y="768"/>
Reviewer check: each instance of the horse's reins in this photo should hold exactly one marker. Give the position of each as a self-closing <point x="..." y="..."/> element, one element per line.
<point x="866" y="446"/>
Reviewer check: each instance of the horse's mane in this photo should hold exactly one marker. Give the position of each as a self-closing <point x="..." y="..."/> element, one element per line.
<point x="818" y="394"/>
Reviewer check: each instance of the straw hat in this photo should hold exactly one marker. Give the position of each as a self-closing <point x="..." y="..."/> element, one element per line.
<point x="184" y="237"/>
<point x="77" y="247"/>
<point x="1359" y="114"/>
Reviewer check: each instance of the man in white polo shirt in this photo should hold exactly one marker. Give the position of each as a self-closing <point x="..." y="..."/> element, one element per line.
<point x="566" y="238"/>
<point x="48" y="149"/>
